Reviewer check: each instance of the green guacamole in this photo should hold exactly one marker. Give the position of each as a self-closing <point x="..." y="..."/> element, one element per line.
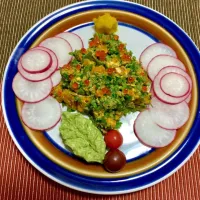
<point x="83" y="137"/>
<point x="104" y="81"/>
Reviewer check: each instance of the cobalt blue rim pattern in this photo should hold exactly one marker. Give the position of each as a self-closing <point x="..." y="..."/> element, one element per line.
<point x="72" y="180"/>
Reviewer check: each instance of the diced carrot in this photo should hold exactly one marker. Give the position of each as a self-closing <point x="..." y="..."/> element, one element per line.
<point x="87" y="82"/>
<point x="144" y="88"/>
<point x="67" y="66"/>
<point x="105" y="90"/>
<point x="121" y="47"/>
<point x="71" y="76"/>
<point x="131" y="79"/>
<point x="101" y="55"/>
<point x="83" y="51"/>
<point x="116" y="37"/>
<point x="125" y="91"/>
<point x="75" y="86"/>
<point x="78" y="67"/>
<point x="110" y="70"/>
<point x="126" y="57"/>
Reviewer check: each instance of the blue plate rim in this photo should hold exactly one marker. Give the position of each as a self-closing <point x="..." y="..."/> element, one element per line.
<point x="108" y="4"/>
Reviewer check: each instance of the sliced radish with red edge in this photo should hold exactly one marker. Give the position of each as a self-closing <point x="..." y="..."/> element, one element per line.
<point x="153" y="50"/>
<point x="161" y="61"/>
<point x="74" y="40"/>
<point x="188" y="98"/>
<point x="60" y="47"/>
<point x="42" y="115"/>
<point x="165" y="97"/>
<point x="36" y="61"/>
<point x="29" y="91"/>
<point x="149" y="133"/>
<point x="43" y="75"/>
<point x="169" y="116"/>
<point x="56" y="78"/>
<point x="174" y="84"/>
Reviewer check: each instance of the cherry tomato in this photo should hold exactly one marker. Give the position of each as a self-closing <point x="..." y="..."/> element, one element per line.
<point x="113" y="139"/>
<point x="114" y="160"/>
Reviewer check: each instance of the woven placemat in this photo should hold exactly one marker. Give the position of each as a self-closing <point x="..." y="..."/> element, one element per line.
<point x="18" y="179"/>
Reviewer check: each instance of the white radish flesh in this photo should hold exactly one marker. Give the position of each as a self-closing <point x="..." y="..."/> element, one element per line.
<point x="42" y="115"/>
<point x="150" y="134"/>
<point x="169" y="116"/>
<point x="36" y="61"/>
<point x="153" y="50"/>
<point x="56" y="78"/>
<point x="43" y="75"/>
<point x="161" y="61"/>
<point x="60" y="47"/>
<point x="29" y="91"/>
<point x="174" y="84"/>
<point x="74" y="40"/>
<point x="165" y="97"/>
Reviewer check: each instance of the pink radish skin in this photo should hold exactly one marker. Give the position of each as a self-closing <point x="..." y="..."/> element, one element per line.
<point x="36" y="61"/>
<point x="174" y="85"/>
<point x="60" y="47"/>
<point x="154" y="50"/>
<point x="43" y="75"/>
<point x="150" y="134"/>
<point x="56" y="78"/>
<point x="169" y="116"/>
<point x="158" y="91"/>
<point x="29" y="91"/>
<point x="74" y="40"/>
<point x="188" y="99"/>
<point x="161" y="61"/>
<point x="42" y="115"/>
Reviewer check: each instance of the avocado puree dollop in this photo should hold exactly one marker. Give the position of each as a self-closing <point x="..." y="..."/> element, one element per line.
<point x="83" y="137"/>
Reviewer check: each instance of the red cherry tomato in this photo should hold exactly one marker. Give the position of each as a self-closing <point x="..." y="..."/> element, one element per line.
<point x="113" y="139"/>
<point x="114" y="160"/>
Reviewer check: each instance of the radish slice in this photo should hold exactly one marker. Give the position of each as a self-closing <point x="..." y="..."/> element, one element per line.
<point x="60" y="47"/>
<point x="43" y="75"/>
<point x="161" y="61"/>
<point x="188" y="99"/>
<point x="29" y="91"/>
<point x="153" y="50"/>
<point x="56" y="78"/>
<point x="149" y="133"/>
<point x="36" y="61"/>
<point x="158" y="91"/>
<point x="174" y="85"/>
<point x="74" y="40"/>
<point x="42" y="115"/>
<point x="169" y="116"/>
